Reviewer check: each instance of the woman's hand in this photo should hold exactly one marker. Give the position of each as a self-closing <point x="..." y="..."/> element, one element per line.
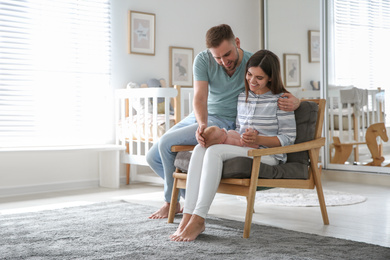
<point x="199" y="135"/>
<point x="249" y="137"/>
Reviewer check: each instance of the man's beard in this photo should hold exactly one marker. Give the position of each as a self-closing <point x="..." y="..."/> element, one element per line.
<point x="235" y="63"/>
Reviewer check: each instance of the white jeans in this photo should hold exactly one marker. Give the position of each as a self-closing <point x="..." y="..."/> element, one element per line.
<point x="204" y="174"/>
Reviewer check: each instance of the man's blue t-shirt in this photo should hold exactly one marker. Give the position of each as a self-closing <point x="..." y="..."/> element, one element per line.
<point x="223" y="89"/>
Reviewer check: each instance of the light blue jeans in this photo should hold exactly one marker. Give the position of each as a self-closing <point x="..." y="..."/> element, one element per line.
<point x="161" y="159"/>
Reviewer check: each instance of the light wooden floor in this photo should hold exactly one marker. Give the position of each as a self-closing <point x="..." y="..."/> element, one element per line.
<point x="366" y="222"/>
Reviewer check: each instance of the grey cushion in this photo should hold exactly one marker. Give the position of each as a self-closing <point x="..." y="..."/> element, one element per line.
<point x="296" y="165"/>
<point x="305" y="118"/>
<point x="182" y="160"/>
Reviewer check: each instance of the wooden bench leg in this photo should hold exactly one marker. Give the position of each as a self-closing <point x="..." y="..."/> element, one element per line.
<point x="317" y="181"/>
<point x="172" y="206"/>
<point x="251" y="196"/>
<point x="247" y="200"/>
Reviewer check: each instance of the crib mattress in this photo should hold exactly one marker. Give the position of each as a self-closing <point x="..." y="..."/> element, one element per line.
<point x="139" y="128"/>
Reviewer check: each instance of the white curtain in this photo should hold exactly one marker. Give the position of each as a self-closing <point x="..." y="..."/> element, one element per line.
<point x="360" y="38"/>
<point x="54" y="72"/>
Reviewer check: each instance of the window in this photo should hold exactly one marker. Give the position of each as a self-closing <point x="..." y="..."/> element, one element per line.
<point x="54" y="72"/>
<point x="359" y="39"/>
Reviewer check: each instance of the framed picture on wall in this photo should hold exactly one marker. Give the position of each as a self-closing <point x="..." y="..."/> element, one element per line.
<point x="142" y="33"/>
<point x="180" y="66"/>
<point x="314" y="46"/>
<point x="292" y="70"/>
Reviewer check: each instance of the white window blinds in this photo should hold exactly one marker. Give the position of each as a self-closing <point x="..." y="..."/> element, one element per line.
<point x="54" y="72"/>
<point x="361" y="40"/>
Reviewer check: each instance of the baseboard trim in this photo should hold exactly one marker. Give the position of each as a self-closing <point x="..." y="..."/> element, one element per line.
<point x="152" y="180"/>
<point x="44" y="188"/>
<point x="367" y="178"/>
<point x="328" y="175"/>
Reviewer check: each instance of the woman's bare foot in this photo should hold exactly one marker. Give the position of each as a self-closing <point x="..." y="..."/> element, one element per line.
<point x="195" y="226"/>
<point x="183" y="223"/>
<point x="164" y="211"/>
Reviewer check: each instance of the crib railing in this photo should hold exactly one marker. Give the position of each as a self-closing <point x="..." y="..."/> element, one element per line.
<point x="183" y="102"/>
<point x="140" y="105"/>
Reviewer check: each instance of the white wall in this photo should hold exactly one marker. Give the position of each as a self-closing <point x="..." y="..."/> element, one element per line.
<point x="178" y="23"/>
<point x="288" y="25"/>
<point x="34" y="172"/>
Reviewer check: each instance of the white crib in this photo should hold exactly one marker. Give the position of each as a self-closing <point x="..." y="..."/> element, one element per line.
<point x="139" y="123"/>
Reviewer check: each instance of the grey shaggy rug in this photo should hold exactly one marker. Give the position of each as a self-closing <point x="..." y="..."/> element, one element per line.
<point x="122" y="230"/>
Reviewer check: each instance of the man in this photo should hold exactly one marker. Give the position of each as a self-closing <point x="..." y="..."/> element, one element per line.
<point x="219" y="76"/>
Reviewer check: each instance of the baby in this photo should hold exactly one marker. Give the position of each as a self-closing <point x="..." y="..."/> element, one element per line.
<point x="215" y="135"/>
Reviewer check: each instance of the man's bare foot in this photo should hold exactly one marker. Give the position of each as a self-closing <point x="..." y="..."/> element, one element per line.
<point x="194" y="227"/>
<point x="164" y="211"/>
<point x="183" y="223"/>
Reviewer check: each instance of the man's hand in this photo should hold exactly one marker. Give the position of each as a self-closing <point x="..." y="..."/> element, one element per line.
<point x="199" y="135"/>
<point x="288" y="102"/>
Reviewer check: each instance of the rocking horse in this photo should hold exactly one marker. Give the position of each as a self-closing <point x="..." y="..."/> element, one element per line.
<point x="343" y="150"/>
<point x="376" y="130"/>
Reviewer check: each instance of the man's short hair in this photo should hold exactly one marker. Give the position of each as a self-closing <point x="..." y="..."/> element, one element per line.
<point x="217" y="34"/>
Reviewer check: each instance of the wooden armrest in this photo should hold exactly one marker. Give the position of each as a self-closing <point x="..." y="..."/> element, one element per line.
<point x="348" y="144"/>
<point x="182" y="148"/>
<point x="180" y="175"/>
<point x="318" y="143"/>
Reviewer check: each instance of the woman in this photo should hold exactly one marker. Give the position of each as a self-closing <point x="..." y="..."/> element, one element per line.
<point x="257" y="109"/>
